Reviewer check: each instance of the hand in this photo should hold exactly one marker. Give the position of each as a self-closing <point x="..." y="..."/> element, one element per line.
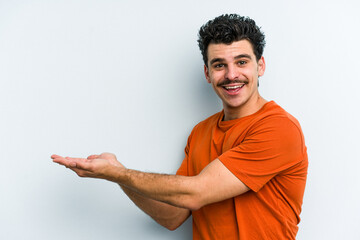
<point x="94" y="166"/>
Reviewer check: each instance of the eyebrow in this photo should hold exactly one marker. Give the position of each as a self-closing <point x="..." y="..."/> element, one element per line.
<point x="237" y="57"/>
<point x="243" y="56"/>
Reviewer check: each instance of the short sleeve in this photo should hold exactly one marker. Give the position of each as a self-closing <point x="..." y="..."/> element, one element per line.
<point x="183" y="169"/>
<point x="271" y="147"/>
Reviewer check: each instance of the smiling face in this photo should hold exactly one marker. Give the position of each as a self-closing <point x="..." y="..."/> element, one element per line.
<point x="233" y="72"/>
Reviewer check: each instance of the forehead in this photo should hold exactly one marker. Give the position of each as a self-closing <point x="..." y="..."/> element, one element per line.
<point x="229" y="51"/>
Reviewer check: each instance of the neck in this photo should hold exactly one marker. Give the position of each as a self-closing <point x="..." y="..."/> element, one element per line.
<point x="244" y="110"/>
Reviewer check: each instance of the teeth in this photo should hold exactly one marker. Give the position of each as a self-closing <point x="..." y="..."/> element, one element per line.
<point x="234" y="87"/>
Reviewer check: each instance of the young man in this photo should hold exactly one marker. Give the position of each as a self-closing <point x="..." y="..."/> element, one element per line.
<point x="245" y="168"/>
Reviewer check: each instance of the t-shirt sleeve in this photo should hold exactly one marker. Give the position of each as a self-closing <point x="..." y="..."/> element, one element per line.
<point x="271" y="147"/>
<point x="183" y="169"/>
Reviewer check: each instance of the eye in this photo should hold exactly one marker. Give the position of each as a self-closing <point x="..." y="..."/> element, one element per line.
<point x="241" y="62"/>
<point x="219" y="65"/>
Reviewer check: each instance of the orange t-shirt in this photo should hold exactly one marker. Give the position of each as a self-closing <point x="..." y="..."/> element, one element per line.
<point x="266" y="151"/>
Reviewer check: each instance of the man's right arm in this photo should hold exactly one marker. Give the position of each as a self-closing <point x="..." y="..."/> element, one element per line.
<point x="168" y="216"/>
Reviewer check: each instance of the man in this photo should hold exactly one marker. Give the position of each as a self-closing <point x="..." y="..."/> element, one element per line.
<point x="245" y="168"/>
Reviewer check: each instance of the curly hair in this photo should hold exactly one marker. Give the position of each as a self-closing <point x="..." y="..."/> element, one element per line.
<point x="229" y="28"/>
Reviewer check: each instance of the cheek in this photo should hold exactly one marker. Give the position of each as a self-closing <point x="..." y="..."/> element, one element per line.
<point x="251" y="74"/>
<point x="216" y="76"/>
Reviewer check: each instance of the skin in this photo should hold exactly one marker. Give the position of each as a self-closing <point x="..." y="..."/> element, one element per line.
<point x="235" y="65"/>
<point x="233" y="72"/>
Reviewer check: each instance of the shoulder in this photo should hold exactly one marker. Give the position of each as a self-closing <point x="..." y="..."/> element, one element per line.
<point x="274" y="115"/>
<point x="277" y="125"/>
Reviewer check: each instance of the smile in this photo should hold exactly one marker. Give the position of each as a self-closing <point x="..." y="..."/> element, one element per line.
<point x="233" y="87"/>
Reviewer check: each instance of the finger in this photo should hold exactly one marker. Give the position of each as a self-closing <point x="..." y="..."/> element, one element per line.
<point x="55" y="156"/>
<point x="67" y="161"/>
<point x="60" y="160"/>
<point x="75" y="159"/>
<point x="79" y="163"/>
<point x="107" y="154"/>
<point x="94" y="156"/>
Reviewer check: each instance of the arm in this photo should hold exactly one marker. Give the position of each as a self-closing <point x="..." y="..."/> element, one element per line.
<point x="215" y="183"/>
<point x="166" y="215"/>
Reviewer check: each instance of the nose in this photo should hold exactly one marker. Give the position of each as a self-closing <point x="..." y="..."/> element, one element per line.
<point x="232" y="72"/>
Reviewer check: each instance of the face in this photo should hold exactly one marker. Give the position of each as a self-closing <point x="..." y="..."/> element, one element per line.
<point x="233" y="72"/>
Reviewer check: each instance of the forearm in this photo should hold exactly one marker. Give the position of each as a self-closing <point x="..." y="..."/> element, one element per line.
<point x="166" y="215"/>
<point x="213" y="184"/>
<point x="178" y="191"/>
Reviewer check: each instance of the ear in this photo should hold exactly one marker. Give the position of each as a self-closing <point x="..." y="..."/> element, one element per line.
<point x="206" y="72"/>
<point x="261" y="66"/>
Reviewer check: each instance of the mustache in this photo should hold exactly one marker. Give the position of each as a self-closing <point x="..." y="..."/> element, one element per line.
<point x="228" y="81"/>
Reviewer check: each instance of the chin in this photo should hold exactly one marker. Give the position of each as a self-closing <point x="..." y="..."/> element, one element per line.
<point x="233" y="106"/>
<point x="236" y="104"/>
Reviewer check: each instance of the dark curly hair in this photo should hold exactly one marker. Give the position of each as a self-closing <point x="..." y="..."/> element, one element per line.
<point x="229" y="28"/>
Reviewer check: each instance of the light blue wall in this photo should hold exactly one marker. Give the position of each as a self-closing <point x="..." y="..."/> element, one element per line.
<point x="81" y="77"/>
